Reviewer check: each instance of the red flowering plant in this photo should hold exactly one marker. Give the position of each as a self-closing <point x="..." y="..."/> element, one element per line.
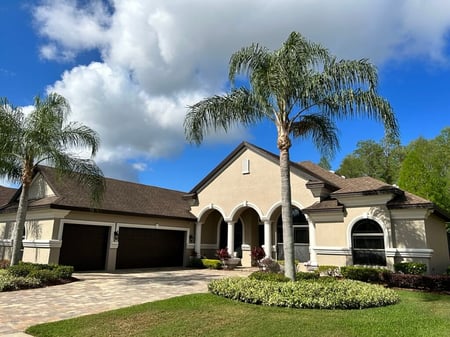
<point x="223" y="254"/>
<point x="257" y="253"/>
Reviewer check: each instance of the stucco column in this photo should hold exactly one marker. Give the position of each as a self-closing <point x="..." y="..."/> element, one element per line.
<point x="312" y="242"/>
<point x="230" y="237"/>
<point x="198" y="238"/>
<point x="268" y="238"/>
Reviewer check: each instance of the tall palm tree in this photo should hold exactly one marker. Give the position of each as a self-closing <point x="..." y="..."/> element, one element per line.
<point x="44" y="135"/>
<point x="303" y="90"/>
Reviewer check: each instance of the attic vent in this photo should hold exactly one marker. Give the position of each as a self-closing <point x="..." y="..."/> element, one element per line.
<point x="245" y="166"/>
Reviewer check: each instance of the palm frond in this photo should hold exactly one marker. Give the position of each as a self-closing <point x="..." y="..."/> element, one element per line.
<point x="221" y="112"/>
<point x="321" y="129"/>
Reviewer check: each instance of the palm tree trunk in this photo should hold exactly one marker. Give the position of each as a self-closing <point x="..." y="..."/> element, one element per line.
<point x="284" y="144"/>
<point x="20" y="224"/>
<point x="286" y="215"/>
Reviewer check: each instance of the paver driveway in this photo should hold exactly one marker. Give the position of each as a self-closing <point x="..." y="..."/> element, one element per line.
<point x="97" y="292"/>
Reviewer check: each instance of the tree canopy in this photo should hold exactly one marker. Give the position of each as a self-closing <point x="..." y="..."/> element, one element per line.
<point x="45" y="136"/>
<point x="377" y="160"/>
<point x="425" y="171"/>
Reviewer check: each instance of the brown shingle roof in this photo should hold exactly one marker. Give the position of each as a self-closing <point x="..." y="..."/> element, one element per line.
<point x="330" y="204"/>
<point x="322" y="174"/>
<point x="365" y="184"/>
<point x="6" y="194"/>
<point x="120" y="197"/>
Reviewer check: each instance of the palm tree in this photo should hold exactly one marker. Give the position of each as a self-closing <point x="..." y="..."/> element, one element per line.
<point x="303" y="90"/>
<point x="44" y="135"/>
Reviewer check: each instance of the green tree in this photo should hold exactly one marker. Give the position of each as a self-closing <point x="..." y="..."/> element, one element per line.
<point x="425" y="169"/>
<point x="302" y="89"/>
<point x="44" y="136"/>
<point x="324" y="163"/>
<point x="378" y="160"/>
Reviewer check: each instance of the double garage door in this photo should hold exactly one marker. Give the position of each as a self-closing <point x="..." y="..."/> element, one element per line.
<point x="85" y="247"/>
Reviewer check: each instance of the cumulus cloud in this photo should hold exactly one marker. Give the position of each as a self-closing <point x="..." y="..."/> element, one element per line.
<point x="159" y="56"/>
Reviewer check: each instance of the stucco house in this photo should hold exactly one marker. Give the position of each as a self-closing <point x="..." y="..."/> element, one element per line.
<point x="337" y="221"/>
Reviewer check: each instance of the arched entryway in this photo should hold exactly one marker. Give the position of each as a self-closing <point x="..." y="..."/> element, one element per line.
<point x="368" y="243"/>
<point x="223" y="237"/>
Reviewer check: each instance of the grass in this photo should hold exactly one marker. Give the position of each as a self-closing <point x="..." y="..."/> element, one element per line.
<point x="418" y="314"/>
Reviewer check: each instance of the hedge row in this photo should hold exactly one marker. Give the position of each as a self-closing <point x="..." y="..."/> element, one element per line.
<point x="327" y="293"/>
<point x="30" y="275"/>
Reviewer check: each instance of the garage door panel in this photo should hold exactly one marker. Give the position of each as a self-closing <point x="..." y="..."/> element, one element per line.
<point x="150" y="248"/>
<point x="84" y="246"/>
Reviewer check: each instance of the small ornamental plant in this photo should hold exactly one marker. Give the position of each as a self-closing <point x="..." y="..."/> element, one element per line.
<point x="223" y="254"/>
<point x="257" y="253"/>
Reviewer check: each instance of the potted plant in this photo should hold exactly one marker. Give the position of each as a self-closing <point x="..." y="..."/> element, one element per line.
<point x="228" y="262"/>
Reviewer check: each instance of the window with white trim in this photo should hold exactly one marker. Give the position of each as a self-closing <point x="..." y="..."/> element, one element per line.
<point x="368" y="243"/>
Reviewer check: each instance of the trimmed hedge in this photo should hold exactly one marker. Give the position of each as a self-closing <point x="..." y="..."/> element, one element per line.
<point x="312" y="294"/>
<point x="9" y="282"/>
<point x="212" y="263"/>
<point x="414" y="268"/>
<point x="53" y="271"/>
<point x="30" y="275"/>
<point x="421" y="282"/>
<point x="365" y="274"/>
<point x="265" y="276"/>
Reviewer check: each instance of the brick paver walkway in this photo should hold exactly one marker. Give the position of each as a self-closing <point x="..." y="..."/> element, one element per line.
<point x="97" y="292"/>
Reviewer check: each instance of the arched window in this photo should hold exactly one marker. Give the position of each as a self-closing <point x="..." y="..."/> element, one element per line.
<point x="300" y="224"/>
<point x="368" y="243"/>
<point x="301" y="236"/>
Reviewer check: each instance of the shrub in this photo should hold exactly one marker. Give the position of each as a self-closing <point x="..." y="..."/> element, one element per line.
<point x="212" y="263"/>
<point x="422" y="282"/>
<point x="305" y="275"/>
<point x="223" y="254"/>
<point x="46" y="276"/>
<point x="64" y="272"/>
<point x="414" y="268"/>
<point x="312" y="294"/>
<point x="24" y="269"/>
<point x="257" y="253"/>
<point x="364" y="274"/>
<point x="269" y="265"/>
<point x="265" y="276"/>
<point x="9" y="282"/>
<point x="195" y="262"/>
<point x="448" y="270"/>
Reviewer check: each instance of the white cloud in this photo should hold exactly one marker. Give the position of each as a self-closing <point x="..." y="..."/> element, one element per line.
<point x="159" y="56"/>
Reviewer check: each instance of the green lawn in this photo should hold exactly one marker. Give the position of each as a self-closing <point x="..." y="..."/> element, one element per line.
<point x="418" y="314"/>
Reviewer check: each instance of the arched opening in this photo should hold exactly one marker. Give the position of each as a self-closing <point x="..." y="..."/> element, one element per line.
<point x="301" y="236"/>
<point x="223" y="237"/>
<point x="368" y="243"/>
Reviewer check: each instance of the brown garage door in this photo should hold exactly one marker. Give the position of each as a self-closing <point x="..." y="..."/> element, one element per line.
<point x="84" y="246"/>
<point x="149" y="248"/>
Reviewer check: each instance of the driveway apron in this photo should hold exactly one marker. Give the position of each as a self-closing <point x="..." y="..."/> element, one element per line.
<point x="98" y="292"/>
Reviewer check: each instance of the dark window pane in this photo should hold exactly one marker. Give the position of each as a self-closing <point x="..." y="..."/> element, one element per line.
<point x="367" y="226"/>
<point x="368" y="242"/>
<point x="369" y="257"/>
<point x="301" y="235"/>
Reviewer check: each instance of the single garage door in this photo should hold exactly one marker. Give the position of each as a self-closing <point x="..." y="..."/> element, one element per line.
<point x="149" y="248"/>
<point x="84" y="246"/>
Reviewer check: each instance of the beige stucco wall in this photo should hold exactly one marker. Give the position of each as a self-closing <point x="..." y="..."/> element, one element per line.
<point x="437" y="237"/>
<point x="410" y="233"/>
<point x="259" y="189"/>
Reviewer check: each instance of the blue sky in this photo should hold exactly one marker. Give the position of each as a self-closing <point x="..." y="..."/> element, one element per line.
<point x="129" y="69"/>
